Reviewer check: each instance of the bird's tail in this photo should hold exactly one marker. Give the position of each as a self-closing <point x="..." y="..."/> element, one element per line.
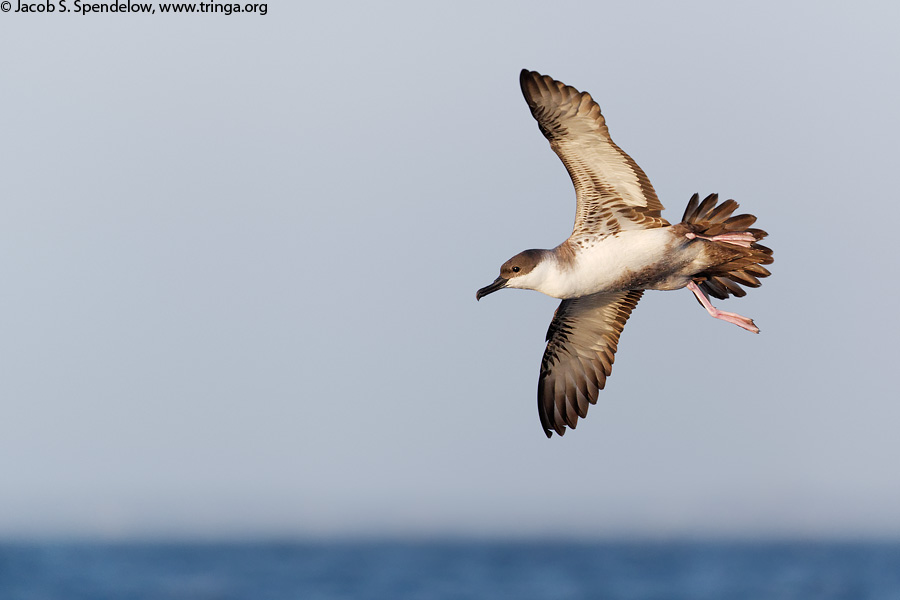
<point x="733" y="242"/>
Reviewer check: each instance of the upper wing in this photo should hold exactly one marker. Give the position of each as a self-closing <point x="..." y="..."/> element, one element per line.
<point x="613" y="192"/>
<point x="582" y="342"/>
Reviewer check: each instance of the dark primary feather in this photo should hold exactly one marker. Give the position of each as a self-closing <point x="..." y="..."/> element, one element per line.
<point x="613" y="192"/>
<point x="581" y="346"/>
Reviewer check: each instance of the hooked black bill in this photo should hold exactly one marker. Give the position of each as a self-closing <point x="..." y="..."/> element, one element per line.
<point x="498" y="284"/>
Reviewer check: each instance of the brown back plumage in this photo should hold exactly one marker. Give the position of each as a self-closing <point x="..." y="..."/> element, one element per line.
<point x="740" y="265"/>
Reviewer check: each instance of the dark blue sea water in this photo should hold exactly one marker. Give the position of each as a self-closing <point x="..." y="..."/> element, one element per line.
<point x="450" y="570"/>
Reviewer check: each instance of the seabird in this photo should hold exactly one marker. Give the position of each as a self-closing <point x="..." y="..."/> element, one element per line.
<point x="619" y="247"/>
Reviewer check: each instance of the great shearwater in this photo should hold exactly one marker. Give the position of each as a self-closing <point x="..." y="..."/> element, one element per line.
<point x="620" y="246"/>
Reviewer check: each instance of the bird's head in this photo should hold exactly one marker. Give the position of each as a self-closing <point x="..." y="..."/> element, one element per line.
<point x="521" y="271"/>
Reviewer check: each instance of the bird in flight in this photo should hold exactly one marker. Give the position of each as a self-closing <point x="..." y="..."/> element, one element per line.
<point x="619" y="247"/>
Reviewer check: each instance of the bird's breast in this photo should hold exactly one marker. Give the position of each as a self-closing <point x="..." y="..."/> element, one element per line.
<point x="628" y="260"/>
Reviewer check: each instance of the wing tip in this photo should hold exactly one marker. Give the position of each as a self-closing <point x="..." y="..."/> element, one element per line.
<point x="529" y="82"/>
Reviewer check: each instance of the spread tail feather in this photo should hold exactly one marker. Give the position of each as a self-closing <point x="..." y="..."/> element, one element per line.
<point x="742" y="264"/>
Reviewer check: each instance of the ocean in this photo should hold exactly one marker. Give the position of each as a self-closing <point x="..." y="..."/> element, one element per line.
<point x="451" y="570"/>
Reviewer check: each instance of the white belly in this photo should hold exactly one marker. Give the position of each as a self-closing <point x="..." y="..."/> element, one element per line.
<point x="634" y="259"/>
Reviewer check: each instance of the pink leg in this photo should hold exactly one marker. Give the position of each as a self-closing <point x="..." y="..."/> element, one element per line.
<point x="741" y="238"/>
<point x="721" y="314"/>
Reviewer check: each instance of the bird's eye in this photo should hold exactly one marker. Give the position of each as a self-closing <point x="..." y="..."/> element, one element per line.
<point x="515" y="269"/>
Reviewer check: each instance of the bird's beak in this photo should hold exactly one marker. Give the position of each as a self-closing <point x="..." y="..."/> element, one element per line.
<point x="498" y="284"/>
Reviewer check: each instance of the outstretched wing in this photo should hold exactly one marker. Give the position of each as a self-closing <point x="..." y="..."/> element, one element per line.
<point x="581" y="347"/>
<point x="612" y="191"/>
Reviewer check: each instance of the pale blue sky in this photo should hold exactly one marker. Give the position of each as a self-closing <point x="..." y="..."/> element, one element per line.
<point x="238" y="259"/>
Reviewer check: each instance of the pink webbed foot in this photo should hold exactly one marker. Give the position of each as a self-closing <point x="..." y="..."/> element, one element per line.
<point x="714" y="312"/>
<point x="740" y="238"/>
